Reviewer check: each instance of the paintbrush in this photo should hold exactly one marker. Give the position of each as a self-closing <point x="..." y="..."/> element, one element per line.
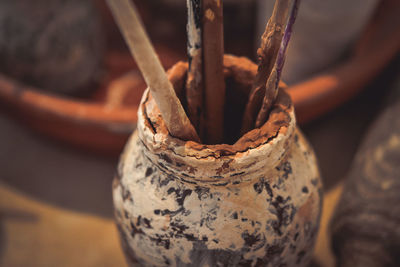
<point x="271" y="56"/>
<point x="194" y="81"/>
<point x="128" y="20"/>
<point x="272" y="85"/>
<point x="214" y="83"/>
<point x="205" y="85"/>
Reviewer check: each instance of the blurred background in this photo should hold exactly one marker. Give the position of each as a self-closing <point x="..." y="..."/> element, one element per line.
<point x="69" y="91"/>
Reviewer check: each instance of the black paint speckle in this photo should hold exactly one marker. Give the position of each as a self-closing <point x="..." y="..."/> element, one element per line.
<point x="126" y="194"/>
<point x="163" y="242"/>
<point x="202" y="192"/>
<point x="258" y="187"/>
<point x="166" y="158"/>
<point x="181" y="199"/>
<point x="286" y="167"/>
<point x="147" y="223"/>
<point x="178" y="228"/>
<point x="166" y="181"/>
<point x="284" y="213"/>
<point x="314" y="182"/>
<point x="135" y="230"/>
<point x="305" y="190"/>
<point x="190" y="237"/>
<point x="220" y="184"/>
<point x="253" y="241"/>
<point x="237" y="174"/>
<point x="171" y="190"/>
<point x="149" y="171"/>
<point x="268" y="189"/>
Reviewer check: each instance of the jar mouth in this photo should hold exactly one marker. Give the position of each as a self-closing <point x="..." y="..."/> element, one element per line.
<point x="259" y="148"/>
<point x="243" y="71"/>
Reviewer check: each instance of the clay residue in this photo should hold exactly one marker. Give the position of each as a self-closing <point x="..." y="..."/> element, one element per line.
<point x="177" y="75"/>
<point x="242" y="71"/>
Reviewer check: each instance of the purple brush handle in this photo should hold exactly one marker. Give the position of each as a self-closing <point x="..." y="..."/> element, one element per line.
<point x="280" y="60"/>
<point x="272" y="85"/>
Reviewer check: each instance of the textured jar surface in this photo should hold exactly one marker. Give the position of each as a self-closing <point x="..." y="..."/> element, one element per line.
<point x="254" y="203"/>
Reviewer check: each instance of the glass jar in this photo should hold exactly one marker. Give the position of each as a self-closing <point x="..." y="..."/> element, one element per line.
<point x="256" y="202"/>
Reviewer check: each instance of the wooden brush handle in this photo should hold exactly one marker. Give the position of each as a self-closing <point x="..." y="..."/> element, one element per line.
<point x="153" y="72"/>
<point x="214" y="83"/>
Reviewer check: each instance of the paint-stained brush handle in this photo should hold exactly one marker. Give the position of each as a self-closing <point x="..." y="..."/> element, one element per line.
<point x="194" y="81"/>
<point x="272" y="85"/>
<point x="267" y="55"/>
<point x="154" y="74"/>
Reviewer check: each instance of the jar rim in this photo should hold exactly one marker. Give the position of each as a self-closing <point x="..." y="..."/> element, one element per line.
<point x="267" y="144"/>
<point x="281" y="115"/>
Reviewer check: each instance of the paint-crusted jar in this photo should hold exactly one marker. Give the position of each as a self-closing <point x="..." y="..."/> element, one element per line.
<point x="254" y="203"/>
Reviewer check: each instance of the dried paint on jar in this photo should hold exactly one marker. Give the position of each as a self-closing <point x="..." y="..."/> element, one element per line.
<point x="254" y="203"/>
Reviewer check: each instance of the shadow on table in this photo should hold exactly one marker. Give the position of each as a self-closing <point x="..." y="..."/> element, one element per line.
<point x="20" y="216"/>
<point x="54" y="173"/>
